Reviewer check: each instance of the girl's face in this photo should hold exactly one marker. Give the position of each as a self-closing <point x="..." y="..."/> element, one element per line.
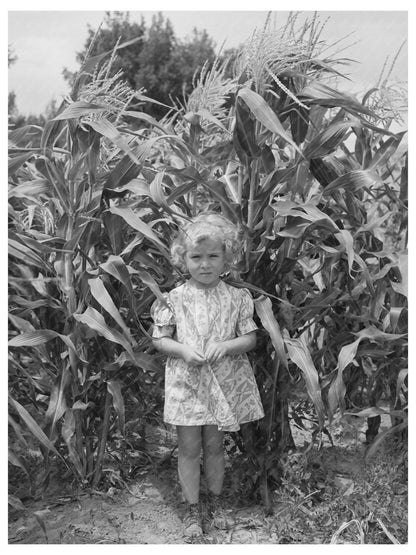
<point x="205" y="262"/>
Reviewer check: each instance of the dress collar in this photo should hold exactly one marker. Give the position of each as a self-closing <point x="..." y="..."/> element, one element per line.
<point x="192" y="285"/>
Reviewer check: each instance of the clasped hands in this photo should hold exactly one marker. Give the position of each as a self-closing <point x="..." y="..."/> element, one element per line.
<point x="213" y="352"/>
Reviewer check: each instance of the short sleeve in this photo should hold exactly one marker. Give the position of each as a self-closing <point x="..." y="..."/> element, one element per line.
<point x="245" y="323"/>
<point x="163" y="318"/>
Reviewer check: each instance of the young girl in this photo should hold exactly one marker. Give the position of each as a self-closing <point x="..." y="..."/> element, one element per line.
<point x="206" y="327"/>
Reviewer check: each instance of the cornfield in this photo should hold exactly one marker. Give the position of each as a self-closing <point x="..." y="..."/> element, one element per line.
<point x="315" y="179"/>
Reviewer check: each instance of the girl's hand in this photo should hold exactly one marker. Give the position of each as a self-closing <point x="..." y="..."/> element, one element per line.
<point x="191" y="355"/>
<point x="215" y="351"/>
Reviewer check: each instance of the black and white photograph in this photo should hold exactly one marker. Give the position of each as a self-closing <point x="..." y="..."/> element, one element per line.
<point x="208" y="274"/>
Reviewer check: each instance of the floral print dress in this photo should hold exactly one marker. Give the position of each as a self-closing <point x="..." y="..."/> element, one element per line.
<point x="223" y="393"/>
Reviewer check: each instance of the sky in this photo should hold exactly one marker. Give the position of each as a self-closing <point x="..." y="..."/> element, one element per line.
<point x="46" y="40"/>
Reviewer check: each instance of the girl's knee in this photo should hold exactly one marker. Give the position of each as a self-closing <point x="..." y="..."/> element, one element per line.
<point x="189" y="441"/>
<point x="213" y="441"/>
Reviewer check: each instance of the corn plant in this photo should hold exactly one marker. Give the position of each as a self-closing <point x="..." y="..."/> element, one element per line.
<point x="76" y="281"/>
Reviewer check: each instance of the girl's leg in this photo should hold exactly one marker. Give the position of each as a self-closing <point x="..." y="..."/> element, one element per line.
<point x="189" y="452"/>
<point x="214" y="461"/>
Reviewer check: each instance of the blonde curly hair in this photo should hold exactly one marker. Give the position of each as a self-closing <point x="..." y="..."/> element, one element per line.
<point x="208" y="225"/>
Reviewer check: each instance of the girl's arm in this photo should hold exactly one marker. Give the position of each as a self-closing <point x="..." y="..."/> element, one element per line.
<point x="172" y="348"/>
<point x="236" y="346"/>
<point x="241" y="344"/>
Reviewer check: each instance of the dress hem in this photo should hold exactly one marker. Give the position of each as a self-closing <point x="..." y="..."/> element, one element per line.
<point x="211" y="423"/>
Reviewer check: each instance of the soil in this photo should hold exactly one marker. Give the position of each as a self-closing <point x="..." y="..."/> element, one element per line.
<point x="351" y="502"/>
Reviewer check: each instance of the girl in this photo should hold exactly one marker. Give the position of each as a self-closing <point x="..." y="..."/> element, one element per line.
<point x="206" y="327"/>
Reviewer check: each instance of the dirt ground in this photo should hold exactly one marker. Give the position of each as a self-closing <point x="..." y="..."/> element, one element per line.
<point x="149" y="509"/>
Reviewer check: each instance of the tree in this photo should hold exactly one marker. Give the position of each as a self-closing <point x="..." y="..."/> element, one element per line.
<point x="158" y="62"/>
<point x="153" y="71"/>
<point x="188" y="56"/>
<point x="116" y="27"/>
<point x="11" y="59"/>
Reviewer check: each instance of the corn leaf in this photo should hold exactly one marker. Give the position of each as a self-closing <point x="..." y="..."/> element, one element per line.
<point x="206" y="114"/>
<point x="68" y="435"/>
<point x="39" y="337"/>
<point x="321" y="94"/>
<point x="147" y="118"/>
<point x="306" y="211"/>
<point x="114" y="387"/>
<point x="386" y="151"/>
<point x="107" y="129"/>
<point x="265" y="115"/>
<point x="402" y="286"/>
<point x="137" y="186"/>
<point x="25" y="254"/>
<point x="391" y="536"/>
<point x="30" y="189"/>
<point x="57" y="403"/>
<point x="93" y="319"/>
<point x="244" y="136"/>
<point x="156" y="191"/>
<point x="394" y="316"/>
<point x="231" y="182"/>
<point x="17" y="461"/>
<point x="34" y="428"/>
<point x="327" y="141"/>
<point x="376" y="411"/>
<point x="337" y="389"/>
<point x="37" y="246"/>
<point x="151" y="283"/>
<point x="21" y="323"/>
<point x="353" y="180"/>
<point x="116" y="267"/>
<point x="18" y="431"/>
<point x="15" y="502"/>
<point x="52" y="130"/>
<point x="299" y="123"/>
<point x="299" y="354"/>
<point x="374" y="334"/>
<point x="217" y="190"/>
<point x="15" y="162"/>
<point x="264" y="310"/>
<point x="22" y="137"/>
<point x="136" y="223"/>
<point x="54" y="173"/>
<point x="101" y="295"/>
<point x="68" y="426"/>
<point x="144" y="150"/>
<point x="122" y="173"/>
<point x="400" y="383"/>
<point x="346" y="356"/>
<point x="81" y="108"/>
<point x="115" y="228"/>
<point x="347" y="241"/>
